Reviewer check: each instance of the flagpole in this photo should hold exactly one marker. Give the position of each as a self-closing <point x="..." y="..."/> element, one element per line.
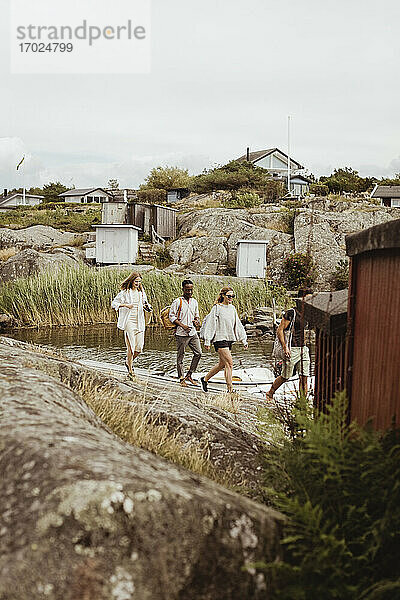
<point x="288" y="151"/>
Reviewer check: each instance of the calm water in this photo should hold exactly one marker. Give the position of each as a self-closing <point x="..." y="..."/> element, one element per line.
<point x="106" y="343"/>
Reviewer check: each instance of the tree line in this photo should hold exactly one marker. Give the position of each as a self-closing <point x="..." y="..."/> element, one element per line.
<point x="237" y="177"/>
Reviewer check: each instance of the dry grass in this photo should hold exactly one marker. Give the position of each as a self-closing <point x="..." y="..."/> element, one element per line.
<point x="196" y="233"/>
<point x="225" y="401"/>
<point x="7" y="253"/>
<point x="127" y="417"/>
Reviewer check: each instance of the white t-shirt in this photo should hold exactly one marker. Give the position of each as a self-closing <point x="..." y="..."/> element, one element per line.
<point x="187" y="314"/>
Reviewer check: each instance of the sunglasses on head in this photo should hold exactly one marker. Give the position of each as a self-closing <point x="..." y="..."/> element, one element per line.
<point x="230" y="295"/>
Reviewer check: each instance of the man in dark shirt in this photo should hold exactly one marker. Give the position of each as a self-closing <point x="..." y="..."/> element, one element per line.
<point x="296" y="353"/>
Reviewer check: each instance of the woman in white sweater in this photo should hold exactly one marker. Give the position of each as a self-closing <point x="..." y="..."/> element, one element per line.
<point x="222" y="328"/>
<point x="131" y="302"/>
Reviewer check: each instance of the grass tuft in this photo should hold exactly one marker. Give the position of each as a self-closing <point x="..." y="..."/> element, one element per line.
<point x="130" y="421"/>
<point x="7" y="253"/>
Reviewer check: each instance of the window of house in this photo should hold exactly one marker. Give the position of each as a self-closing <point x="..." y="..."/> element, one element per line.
<point x="82" y="199"/>
<point x="89" y="199"/>
<point x="396" y="202"/>
<point x="97" y="198"/>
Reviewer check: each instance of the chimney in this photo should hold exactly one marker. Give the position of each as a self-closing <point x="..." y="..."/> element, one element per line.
<point x="248" y="154"/>
<point x="5" y="192"/>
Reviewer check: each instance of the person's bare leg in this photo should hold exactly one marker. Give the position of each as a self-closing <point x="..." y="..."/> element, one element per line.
<point x="219" y="367"/>
<point x="276" y="385"/>
<point x="303" y="384"/>
<point x="226" y="358"/>
<point x="135" y="355"/>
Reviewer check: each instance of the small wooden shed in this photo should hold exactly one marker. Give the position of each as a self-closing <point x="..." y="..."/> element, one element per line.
<point x="116" y="244"/>
<point x="175" y="194"/>
<point x="373" y="357"/>
<point x="114" y="212"/>
<point x="149" y="217"/>
<point x="251" y="258"/>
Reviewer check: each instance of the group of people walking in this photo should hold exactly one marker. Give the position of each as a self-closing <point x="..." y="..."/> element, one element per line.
<point x="220" y="328"/>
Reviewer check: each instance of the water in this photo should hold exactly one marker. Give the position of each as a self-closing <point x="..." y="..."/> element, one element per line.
<point x="106" y="343"/>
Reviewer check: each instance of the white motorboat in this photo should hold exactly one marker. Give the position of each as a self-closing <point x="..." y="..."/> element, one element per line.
<point x="257" y="381"/>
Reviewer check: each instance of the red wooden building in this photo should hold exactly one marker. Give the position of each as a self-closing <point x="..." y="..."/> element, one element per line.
<point x="373" y="344"/>
<point x="362" y="355"/>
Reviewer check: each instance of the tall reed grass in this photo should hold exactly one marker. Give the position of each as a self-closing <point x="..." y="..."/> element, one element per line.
<point x="71" y="297"/>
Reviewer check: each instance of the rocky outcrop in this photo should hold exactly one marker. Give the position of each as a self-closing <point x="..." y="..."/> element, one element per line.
<point x="29" y="262"/>
<point x="322" y="234"/>
<point x="232" y="439"/>
<point x="213" y="247"/>
<point x="320" y="227"/>
<point x="84" y="515"/>
<point x="204" y="254"/>
<point x="37" y="237"/>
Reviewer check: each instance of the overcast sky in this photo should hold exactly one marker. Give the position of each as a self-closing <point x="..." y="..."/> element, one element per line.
<point x="225" y="75"/>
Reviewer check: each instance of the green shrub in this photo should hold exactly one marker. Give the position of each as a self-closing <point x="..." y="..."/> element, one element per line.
<point x="165" y="178"/>
<point x="340" y="277"/>
<point x="245" y="199"/>
<point x="288" y="216"/>
<point x="339" y="488"/>
<point x="319" y="189"/>
<point x="152" y="196"/>
<point x="299" y="271"/>
<point x="233" y="176"/>
<point x="59" y="217"/>
<point x="163" y="258"/>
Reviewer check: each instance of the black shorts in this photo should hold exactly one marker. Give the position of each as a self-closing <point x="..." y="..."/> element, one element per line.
<point x="222" y="344"/>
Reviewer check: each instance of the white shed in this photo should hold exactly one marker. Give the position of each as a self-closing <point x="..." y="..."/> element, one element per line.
<point x="116" y="244"/>
<point x="251" y="258"/>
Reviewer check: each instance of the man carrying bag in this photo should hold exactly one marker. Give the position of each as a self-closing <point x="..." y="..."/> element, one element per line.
<point x="184" y="313"/>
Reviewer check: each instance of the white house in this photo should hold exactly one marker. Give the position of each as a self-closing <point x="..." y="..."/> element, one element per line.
<point x="276" y="163"/>
<point x="273" y="160"/>
<point x="86" y="196"/>
<point x="389" y="195"/>
<point x="18" y="199"/>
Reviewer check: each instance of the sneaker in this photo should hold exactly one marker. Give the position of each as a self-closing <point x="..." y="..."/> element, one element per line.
<point x="204" y="384"/>
<point x="191" y="380"/>
<point x="183" y="382"/>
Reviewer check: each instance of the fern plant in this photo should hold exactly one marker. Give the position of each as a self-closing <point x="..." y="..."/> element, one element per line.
<point x="339" y="487"/>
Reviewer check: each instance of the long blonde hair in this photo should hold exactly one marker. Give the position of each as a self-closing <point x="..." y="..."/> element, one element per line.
<point x="222" y="293"/>
<point x="127" y="284"/>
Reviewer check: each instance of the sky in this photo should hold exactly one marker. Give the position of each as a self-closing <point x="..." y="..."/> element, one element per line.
<point x="225" y="74"/>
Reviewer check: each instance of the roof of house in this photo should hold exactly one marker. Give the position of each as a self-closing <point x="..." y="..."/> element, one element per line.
<point x="119" y="195"/>
<point x="259" y="154"/>
<point x="82" y="192"/>
<point x="386" y="191"/>
<point x="7" y="198"/>
<point x="301" y="177"/>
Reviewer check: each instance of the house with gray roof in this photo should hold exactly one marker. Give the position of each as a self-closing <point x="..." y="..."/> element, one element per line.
<point x="389" y="195"/>
<point x="275" y="161"/>
<point x="15" y="200"/>
<point x="86" y="196"/>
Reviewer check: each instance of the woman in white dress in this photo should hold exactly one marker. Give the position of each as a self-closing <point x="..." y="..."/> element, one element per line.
<point x="131" y="302"/>
<point x="222" y="328"/>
